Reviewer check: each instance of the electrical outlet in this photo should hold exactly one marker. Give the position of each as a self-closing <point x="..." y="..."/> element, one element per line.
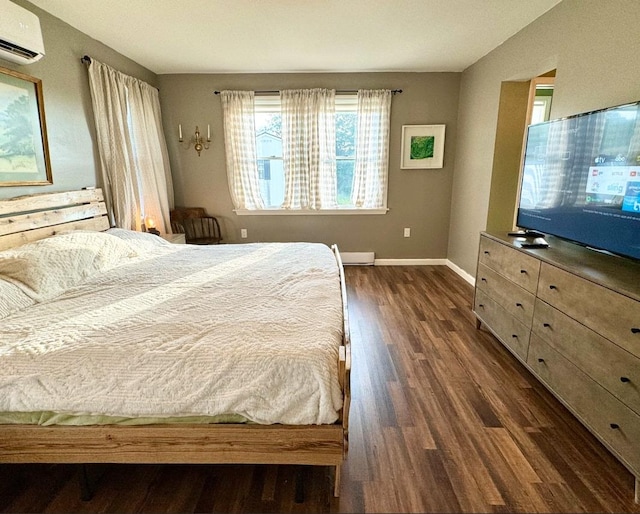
<point x="407" y="232"/>
<point x="243" y="233"/>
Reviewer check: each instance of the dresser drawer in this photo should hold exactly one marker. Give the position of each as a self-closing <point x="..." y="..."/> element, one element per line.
<point x="515" y="300"/>
<point x="508" y="330"/>
<point x="513" y="264"/>
<point x="614" y="423"/>
<point x="615" y="316"/>
<point x="615" y="369"/>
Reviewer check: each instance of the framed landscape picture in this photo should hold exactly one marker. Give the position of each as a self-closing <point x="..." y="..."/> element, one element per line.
<point x="422" y="146"/>
<point x="24" y="152"/>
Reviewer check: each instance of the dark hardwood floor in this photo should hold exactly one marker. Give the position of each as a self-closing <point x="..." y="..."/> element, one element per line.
<point x="443" y="419"/>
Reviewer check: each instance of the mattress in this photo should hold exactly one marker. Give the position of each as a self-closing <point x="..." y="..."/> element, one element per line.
<point x="227" y="332"/>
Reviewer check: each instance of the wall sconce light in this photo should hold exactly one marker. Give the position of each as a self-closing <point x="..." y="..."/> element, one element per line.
<point x="197" y="140"/>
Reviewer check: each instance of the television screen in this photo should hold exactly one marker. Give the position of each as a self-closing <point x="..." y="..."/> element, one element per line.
<point x="581" y="179"/>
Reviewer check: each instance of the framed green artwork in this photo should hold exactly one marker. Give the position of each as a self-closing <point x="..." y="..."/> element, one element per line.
<point x="24" y="152"/>
<point x="422" y="146"/>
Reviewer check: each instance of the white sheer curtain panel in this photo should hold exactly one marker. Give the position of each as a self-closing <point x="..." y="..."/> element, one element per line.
<point x="372" y="149"/>
<point x="309" y="148"/>
<point x="132" y="147"/>
<point x="115" y="146"/>
<point x="152" y="159"/>
<point x="240" y="149"/>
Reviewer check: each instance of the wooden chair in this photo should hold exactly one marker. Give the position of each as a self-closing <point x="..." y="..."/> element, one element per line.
<point x="198" y="228"/>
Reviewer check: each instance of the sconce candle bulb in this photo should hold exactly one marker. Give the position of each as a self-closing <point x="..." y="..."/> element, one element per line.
<point x="180" y="133"/>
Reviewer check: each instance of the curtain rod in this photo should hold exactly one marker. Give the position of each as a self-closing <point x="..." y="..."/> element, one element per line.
<point x="85" y="59"/>
<point x="273" y="92"/>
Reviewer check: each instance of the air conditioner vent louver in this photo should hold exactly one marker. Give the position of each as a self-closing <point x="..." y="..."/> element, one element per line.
<point x="17" y="50"/>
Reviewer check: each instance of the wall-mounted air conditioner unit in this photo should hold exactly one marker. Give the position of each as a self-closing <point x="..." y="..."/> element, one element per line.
<point x="20" y="34"/>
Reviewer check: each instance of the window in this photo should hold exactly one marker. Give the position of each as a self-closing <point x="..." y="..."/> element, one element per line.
<point x="291" y="165"/>
<point x="268" y="122"/>
<point x="346" y="127"/>
<point x="127" y="112"/>
<point x="269" y="148"/>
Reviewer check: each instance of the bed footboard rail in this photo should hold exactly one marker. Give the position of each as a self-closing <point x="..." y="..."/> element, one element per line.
<point x="177" y="443"/>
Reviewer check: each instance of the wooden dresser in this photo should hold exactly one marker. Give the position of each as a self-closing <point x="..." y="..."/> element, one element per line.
<point x="571" y="315"/>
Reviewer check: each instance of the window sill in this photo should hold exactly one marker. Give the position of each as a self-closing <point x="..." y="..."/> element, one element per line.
<point x="308" y="212"/>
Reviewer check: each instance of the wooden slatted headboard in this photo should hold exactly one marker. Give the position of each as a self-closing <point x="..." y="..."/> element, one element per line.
<point x="29" y="218"/>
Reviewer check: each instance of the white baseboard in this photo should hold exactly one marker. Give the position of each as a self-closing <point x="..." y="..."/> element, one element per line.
<point x="461" y="272"/>
<point x="410" y="262"/>
<point x="367" y="259"/>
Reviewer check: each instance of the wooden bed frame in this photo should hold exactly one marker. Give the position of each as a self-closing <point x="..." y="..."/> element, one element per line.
<point x="30" y="218"/>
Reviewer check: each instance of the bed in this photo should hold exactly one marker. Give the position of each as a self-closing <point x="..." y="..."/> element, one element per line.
<point x="148" y="352"/>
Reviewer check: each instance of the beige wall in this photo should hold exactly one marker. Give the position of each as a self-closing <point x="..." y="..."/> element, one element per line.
<point x="595" y="49"/>
<point x="419" y="199"/>
<point x="67" y="102"/>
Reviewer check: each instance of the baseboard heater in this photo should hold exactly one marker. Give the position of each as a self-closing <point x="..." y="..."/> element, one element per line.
<point x="358" y="258"/>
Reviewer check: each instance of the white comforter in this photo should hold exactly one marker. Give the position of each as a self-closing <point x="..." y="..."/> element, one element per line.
<point x="185" y="330"/>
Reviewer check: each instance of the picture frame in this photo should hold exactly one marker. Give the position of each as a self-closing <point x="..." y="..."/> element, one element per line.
<point x="422" y="146"/>
<point x="24" y="149"/>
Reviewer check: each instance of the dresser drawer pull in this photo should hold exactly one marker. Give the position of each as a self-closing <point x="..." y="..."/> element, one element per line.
<point x="635" y="330"/>
<point x="486" y="252"/>
<point x="518" y="304"/>
<point x="615" y="426"/>
<point x="552" y="287"/>
<point x="546" y="325"/>
<point x="540" y="359"/>
<point x="481" y="305"/>
<point x="483" y="279"/>
<point x="515" y="336"/>
<point x="625" y="379"/>
<point x="523" y="271"/>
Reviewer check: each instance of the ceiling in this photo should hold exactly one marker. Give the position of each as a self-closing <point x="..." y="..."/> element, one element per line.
<point x="259" y="36"/>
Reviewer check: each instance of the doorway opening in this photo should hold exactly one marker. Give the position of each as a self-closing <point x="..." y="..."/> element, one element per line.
<point x="522" y="103"/>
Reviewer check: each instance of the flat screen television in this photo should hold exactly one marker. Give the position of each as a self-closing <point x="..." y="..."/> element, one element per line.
<point x="581" y="179"/>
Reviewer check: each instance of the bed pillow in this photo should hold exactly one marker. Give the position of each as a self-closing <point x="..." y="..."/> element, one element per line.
<point x="45" y="269"/>
<point x="12" y="299"/>
<point x="145" y="238"/>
